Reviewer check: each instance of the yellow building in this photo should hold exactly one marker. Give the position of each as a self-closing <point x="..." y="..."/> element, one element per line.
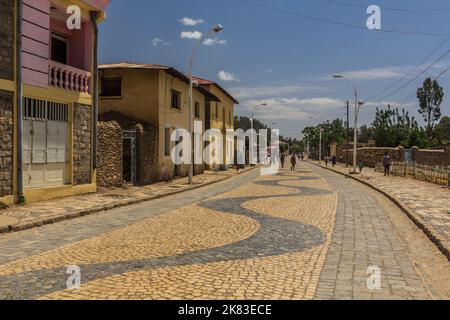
<point x="49" y="141"/>
<point x="155" y="95"/>
<point x="219" y="114"/>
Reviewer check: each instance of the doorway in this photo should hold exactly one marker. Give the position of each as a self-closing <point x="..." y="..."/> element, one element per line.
<point x="129" y="156"/>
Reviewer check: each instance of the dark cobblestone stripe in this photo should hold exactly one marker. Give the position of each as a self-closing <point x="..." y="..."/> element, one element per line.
<point x="275" y="237"/>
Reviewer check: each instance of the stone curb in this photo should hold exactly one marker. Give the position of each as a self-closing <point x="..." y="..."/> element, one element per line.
<point x="120" y="204"/>
<point x="442" y="243"/>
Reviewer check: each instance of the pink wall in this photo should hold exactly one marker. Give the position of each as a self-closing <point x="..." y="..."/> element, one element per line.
<point x="35" y="37"/>
<point x="37" y="27"/>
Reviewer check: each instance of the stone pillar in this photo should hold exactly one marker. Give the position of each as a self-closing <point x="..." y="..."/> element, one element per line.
<point x="110" y="155"/>
<point x="414" y="151"/>
<point x="401" y="153"/>
<point x="82" y="144"/>
<point x="7" y="39"/>
<point x="6" y="143"/>
<point x="447" y="155"/>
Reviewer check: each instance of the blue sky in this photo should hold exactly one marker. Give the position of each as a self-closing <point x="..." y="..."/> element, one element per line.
<point x="284" y="59"/>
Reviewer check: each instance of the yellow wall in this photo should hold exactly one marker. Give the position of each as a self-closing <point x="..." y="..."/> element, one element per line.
<point x="174" y="118"/>
<point x="218" y="120"/>
<point x="146" y="95"/>
<point x="227" y="104"/>
<point x="139" y="94"/>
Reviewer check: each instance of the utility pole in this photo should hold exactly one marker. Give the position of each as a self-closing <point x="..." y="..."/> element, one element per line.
<point x="348" y="130"/>
<point x="320" y="144"/>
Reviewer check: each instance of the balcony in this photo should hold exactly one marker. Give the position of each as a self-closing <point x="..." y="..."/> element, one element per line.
<point x="69" y="78"/>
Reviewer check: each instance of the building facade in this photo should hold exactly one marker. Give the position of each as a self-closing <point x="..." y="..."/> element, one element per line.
<point x="219" y="114"/>
<point x="55" y="88"/>
<point x="157" y="98"/>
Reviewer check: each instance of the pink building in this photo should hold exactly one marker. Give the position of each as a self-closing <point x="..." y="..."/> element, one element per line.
<point x="57" y="128"/>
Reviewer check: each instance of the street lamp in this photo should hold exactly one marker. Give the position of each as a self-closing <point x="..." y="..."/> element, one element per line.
<point x="358" y="105"/>
<point x="217" y="29"/>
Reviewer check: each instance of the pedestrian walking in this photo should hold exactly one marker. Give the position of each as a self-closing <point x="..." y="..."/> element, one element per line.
<point x="334" y="161"/>
<point x="387" y="162"/>
<point x="293" y="162"/>
<point x="283" y="159"/>
<point x="326" y="162"/>
<point x="361" y="166"/>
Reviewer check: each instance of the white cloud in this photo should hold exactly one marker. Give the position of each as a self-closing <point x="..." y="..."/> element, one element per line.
<point x="292" y="109"/>
<point x="191" y="35"/>
<point x="213" y="42"/>
<point x="377" y="73"/>
<point x="158" y="41"/>
<point x="263" y="91"/>
<point x="190" y="22"/>
<point x="227" y="76"/>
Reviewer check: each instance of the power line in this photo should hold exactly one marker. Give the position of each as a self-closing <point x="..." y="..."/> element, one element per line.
<point x="406" y="99"/>
<point x="323" y="20"/>
<point x="418" y="75"/>
<point x="347" y="4"/>
<point x="299" y="52"/>
<point x="411" y="71"/>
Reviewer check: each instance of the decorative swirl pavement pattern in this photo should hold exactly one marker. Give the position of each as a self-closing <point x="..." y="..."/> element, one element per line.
<point x="246" y="248"/>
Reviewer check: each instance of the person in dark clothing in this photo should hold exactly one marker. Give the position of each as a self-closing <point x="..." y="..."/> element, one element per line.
<point x="293" y="162"/>
<point x="387" y="162"/>
<point x="361" y="166"/>
<point x="283" y="159"/>
<point x="334" y="161"/>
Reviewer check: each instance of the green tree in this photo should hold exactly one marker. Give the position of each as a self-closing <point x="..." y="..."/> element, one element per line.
<point x="430" y="98"/>
<point x="392" y="127"/>
<point x="442" y="132"/>
<point x="365" y="134"/>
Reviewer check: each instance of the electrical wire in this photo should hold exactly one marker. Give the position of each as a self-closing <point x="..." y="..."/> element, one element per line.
<point x="344" y="24"/>
<point x="411" y="71"/>
<point x="347" y="4"/>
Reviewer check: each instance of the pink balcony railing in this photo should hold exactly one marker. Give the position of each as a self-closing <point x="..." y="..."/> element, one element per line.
<point x="69" y="78"/>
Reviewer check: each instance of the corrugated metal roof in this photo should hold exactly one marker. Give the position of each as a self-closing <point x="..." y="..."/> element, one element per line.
<point x="205" y="82"/>
<point x="129" y="65"/>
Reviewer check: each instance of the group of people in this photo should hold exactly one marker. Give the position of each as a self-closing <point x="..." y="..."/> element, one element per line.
<point x="387" y="162"/>
<point x="295" y="158"/>
<point x="332" y="159"/>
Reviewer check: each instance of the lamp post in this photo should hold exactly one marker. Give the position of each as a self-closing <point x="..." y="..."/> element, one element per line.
<point x="358" y="105"/>
<point x="217" y="29"/>
<point x="320" y="143"/>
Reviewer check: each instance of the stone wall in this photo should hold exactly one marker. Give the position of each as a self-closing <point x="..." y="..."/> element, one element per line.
<point x="147" y="154"/>
<point x="370" y="155"/>
<point x="6" y="142"/>
<point x="82" y="144"/>
<point x="431" y="157"/>
<point x="109" y="155"/>
<point x="7" y="39"/>
<point x="148" y="168"/>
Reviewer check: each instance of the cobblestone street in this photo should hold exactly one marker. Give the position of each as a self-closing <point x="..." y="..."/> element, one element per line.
<point x="308" y="234"/>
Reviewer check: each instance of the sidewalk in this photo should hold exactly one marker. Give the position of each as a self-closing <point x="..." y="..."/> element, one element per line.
<point x="428" y="205"/>
<point x="28" y="216"/>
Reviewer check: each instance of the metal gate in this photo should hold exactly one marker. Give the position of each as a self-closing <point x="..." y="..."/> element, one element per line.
<point x="45" y="143"/>
<point x="408" y="156"/>
<point x="129" y="156"/>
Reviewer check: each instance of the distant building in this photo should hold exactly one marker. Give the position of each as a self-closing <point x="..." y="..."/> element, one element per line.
<point x="219" y="114"/>
<point x="154" y="97"/>
<point x="57" y="115"/>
